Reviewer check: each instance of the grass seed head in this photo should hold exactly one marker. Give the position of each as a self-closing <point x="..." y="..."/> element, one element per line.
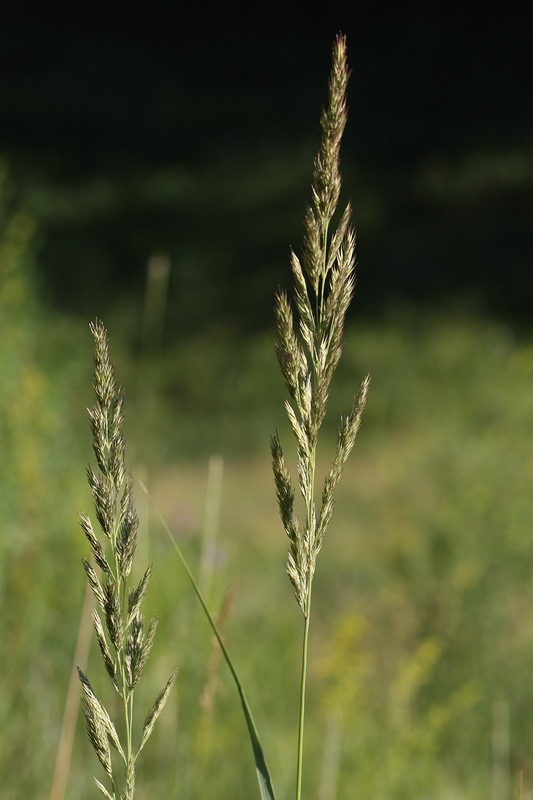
<point x="309" y="340"/>
<point x="124" y="645"/>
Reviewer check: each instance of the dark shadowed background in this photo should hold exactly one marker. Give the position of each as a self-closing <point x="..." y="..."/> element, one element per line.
<point x="128" y="138"/>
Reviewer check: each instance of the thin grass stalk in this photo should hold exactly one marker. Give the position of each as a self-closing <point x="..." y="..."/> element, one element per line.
<point x="210" y="530"/>
<point x="309" y="345"/>
<point x="301" y="719"/>
<point x="72" y="703"/>
<point x="213" y="498"/>
<point x="332" y="755"/>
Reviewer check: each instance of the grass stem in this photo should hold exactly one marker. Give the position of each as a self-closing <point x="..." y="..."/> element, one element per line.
<point x="301" y="721"/>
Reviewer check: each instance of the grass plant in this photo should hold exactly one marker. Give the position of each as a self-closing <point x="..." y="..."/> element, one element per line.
<point x="124" y="644"/>
<point x="309" y="349"/>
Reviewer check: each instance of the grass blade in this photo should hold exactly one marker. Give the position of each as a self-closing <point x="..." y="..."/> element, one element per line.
<point x="263" y="775"/>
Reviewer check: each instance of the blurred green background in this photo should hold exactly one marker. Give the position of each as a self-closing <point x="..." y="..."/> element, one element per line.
<point x="155" y="176"/>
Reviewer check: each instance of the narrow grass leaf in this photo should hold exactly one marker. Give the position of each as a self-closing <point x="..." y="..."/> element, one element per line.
<point x="263" y="775"/>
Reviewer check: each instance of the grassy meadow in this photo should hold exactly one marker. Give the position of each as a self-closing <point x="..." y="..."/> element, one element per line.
<point x="421" y="651"/>
<point x="421" y="654"/>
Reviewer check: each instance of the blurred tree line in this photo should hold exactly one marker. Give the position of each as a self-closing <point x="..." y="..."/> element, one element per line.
<point x="148" y="136"/>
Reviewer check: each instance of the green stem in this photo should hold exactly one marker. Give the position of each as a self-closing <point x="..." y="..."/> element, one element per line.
<point x="322" y="282"/>
<point x="301" y="723"/>
<point x="307" y="619"/>
<point x="128" y="717"/>
<point x="320" y="301"/>
<point x="127" y="693"/>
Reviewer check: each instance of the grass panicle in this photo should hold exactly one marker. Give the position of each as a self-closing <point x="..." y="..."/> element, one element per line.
<point x="309" y="346"/>
<point x="124" y="643"/>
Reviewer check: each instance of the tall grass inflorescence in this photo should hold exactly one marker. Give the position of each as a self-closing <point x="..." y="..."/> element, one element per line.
<point x="309" y="343"/>
<point x="124" y="643"/>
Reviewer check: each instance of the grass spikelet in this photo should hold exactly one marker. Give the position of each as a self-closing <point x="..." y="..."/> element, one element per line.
<point x="155" y="711"/>
<point x="290" y="354"/>
<point x="103" y="789"/>
<point x="309" y="346"/>
<point x="136" y="595"/>
<point x="104" y="649"/>
<point x="102" y="718"/>
<point x="113" y="615"/>
<point x="138" y="647"/>
<point x="345" y="442"/>
<point x="285" y="496"/>
<point x="94" y="583"/>
<point x="96" y="729"/>
<point x="98" y="553"/>
<point x="124" y="646"/>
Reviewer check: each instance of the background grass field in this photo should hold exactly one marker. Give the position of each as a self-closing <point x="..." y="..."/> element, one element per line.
<point x="421" y="652"/>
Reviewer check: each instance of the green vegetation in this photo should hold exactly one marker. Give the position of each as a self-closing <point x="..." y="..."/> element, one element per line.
<point x="421" y="632"/>
<point x="420" y="660"/>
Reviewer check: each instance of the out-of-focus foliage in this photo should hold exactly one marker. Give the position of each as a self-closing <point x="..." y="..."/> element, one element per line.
<point x="23" y="386"/>
<point x="140" y="137"/>
<point x="421" y="657"/>
<point x="37" y="493"/>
